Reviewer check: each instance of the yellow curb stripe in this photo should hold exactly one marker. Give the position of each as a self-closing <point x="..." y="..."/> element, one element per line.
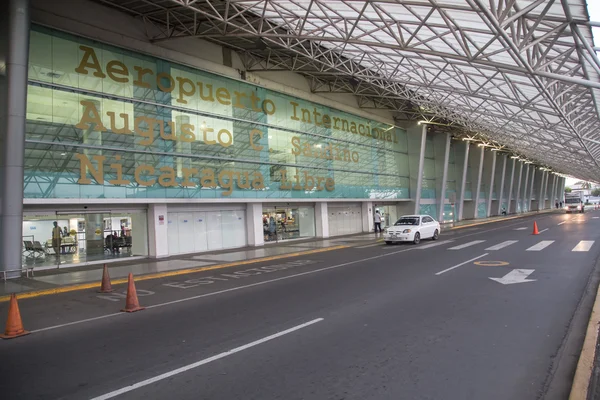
<point x="83" y="286"/>
<point x="585" y="366"/>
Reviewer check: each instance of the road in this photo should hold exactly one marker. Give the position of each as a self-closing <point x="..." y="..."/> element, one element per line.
<point x="368" y="322"/>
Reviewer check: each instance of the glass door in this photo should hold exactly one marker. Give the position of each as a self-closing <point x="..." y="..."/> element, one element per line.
<point x="56" y="239"/>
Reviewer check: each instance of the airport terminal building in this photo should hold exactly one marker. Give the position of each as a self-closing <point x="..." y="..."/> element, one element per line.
<point x="140" y="149"/>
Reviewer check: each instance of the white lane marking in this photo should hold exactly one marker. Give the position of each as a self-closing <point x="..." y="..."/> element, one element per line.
<point x="461" y="264"/>
<point x="502" y="245"/>
<point x="462" y="246"/>
<point x="203" y="362"/>
<point x="595" y="217"/>
<point x="77" y="322"/>
<point x="231" y="289"/>
<point x="562" y="222"/>
<point x="543" y="230"/>
<point x="261" y="283"/>
<point x="584" y="245"/>
<point x="541" y="245"/>
<point x="521" y="228"/>
<point x="427" y="246"/>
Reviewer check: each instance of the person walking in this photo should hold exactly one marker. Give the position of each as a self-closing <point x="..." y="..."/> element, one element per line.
<point x="56" y="236"/>
<point x="377" y="219"/>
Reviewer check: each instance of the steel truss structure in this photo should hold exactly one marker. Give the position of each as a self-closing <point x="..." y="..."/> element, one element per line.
<point x="518" y="74"/>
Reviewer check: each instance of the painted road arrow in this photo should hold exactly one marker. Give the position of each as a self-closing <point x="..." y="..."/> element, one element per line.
<point x="515" y="276"/>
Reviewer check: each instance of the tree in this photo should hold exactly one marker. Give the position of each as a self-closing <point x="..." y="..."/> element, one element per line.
<point x="596" y="192"/>
<point x="567" y="189"/>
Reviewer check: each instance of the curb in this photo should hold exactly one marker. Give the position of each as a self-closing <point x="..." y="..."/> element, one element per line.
<point x="83" y="286"/>
<point x="585" y="365"/>
<point x="497" y="220"/>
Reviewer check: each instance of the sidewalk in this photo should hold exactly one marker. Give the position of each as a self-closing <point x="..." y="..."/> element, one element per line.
<point x="49" y="279"/>
<point x="54" y="278"/>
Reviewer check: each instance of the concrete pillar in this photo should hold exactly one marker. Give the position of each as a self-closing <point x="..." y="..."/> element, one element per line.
<point x="321" y="219"/>
<point x="158" y="244"/>
<point x="517" y="201"/>
<point x="421" y="166"/>
<point x="531" y="187"/>
<point x="463" y="183"/>
<point x="492" y="175"/>
<point x="560" y="190"/>
<point x="510" y="186"/>
<point x="524" y="203"/>
<point x="442" y="193"/>
<point x="553" y="192"/>
<point x="500" y="195"/>
<point x="367" y="216"/>
<point x="541" y="191"/>
<point x="478" y="186"/>
<point x="254" y="224"/>
<point x="545" y="194"/>
<point x="14" y="15"/>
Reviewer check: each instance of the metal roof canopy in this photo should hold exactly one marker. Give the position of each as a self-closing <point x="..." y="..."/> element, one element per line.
<point x="518" y="74"/>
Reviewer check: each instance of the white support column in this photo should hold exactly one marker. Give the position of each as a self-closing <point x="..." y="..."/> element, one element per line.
<point x="531" y="188"/>
<point x="560" y="190"/>
<point x="158" y="244"/>
<point x="367" y="219"/>
<point x="15" y="17"/>
<point x="491" y="192"/>
<point x="540" y="201"/>
<point x="545" y="194"/>
<point x="517" y="203"/>
<point x="478" y="186"/>
<point x="321" y="219"/>
<point x="254" y="224"/>
<point x="500" y="195"/>
<point x="421" y="166"/>
<point x="553" y="200"/>
<point x="510" y="187"/>
<point x="525" y="204"/>
<point x="442" y="196"/>
<point x="463" y="183"/>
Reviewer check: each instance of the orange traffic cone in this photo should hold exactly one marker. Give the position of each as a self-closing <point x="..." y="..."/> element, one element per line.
<point x="131" y="303"/>
<point x="105" y="286"/>
<point x="535" y="229"/>
<point x="14" y="325"/>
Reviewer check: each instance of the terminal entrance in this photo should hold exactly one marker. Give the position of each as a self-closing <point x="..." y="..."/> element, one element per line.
<point x="56" y="239"/>
<point x="290" y="222"/>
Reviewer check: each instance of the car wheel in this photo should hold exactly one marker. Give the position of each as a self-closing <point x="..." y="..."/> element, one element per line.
<point x="417" y="238"/>
<point x="436" y="235"/>
<point x="388" y="242"/>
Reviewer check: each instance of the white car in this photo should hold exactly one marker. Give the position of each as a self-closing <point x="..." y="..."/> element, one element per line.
<point x="412" y="228"/>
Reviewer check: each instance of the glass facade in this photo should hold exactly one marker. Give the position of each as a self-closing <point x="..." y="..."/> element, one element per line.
<point x="103" y="122"/>
<point x="61" y="239"/>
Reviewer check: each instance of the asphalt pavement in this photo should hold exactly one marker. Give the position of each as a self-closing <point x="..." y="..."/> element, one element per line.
<point x="367" y="322"/>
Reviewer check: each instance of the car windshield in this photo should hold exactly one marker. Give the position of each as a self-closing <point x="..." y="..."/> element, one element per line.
<point x="573" y="200"/>
<point x="407" y="221"/>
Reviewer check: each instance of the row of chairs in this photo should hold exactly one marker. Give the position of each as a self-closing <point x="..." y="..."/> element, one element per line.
<point x="33" y="249"/>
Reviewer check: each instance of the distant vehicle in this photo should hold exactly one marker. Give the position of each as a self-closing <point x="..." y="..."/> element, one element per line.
<point x="573" y="203"/>
<point x="412" y="228"/>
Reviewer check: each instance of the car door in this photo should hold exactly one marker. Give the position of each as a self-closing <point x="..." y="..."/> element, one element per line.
<point x="428" y="226"/>
<point x="424" y="228"/>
